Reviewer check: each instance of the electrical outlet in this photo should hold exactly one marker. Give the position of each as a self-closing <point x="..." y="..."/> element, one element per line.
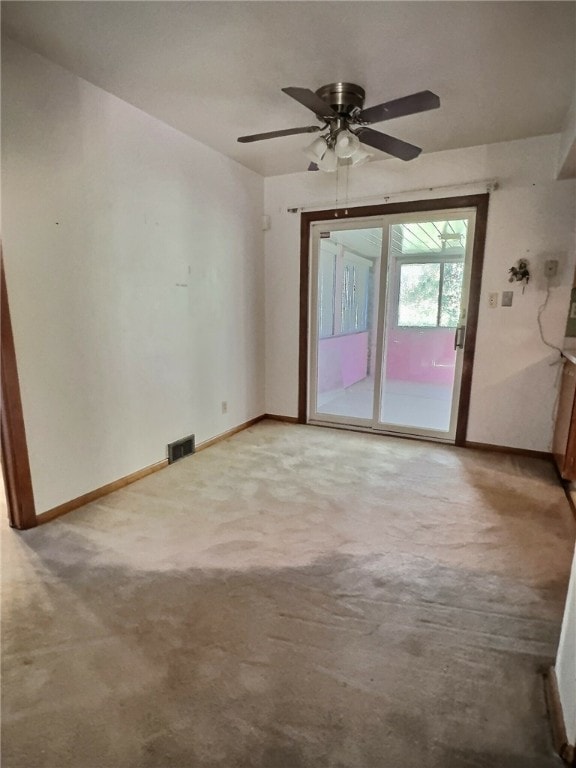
<point x="492" y="300"/>
<point x="224" y="406"/>
<point x="551" y="267"/>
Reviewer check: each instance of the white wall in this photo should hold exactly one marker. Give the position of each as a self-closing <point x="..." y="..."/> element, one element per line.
<point x="566" y="660"/>
<point x="134" y="259"/>
<point x="531" y="215"/>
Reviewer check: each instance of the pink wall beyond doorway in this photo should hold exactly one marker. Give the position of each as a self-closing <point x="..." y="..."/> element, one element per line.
<point x="416" y="355"/>
<point x="421" y="355"/>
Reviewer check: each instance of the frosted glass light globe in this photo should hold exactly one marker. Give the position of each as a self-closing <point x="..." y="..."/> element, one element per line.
<point x="329" y="162"/>
<point x="360" y="157"/>
<point x="316" y="150"/>
<point x="346" y="144"/>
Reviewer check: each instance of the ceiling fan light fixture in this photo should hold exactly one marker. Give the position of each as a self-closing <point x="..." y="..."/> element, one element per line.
<point x="360" y="157"/>
<point x="316" y="151"/>
<point x="329" y="162"/>
<point x="346" y="144"/>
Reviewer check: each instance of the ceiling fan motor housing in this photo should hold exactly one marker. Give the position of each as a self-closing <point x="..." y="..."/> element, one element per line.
<point x="342" y="97"/>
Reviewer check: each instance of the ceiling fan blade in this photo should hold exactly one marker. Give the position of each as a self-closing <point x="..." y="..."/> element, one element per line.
<point x="407" y="105"/>
<point x="277" y="134"/>
<point x="388" y="144"/>
<point x="312" y="167"/>
<point x="309" y="99"/>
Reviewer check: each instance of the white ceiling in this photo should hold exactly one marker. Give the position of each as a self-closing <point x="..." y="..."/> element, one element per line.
<point x="214" y="70"/>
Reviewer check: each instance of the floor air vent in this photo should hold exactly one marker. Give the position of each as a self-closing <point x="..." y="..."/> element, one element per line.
<point x="180" y="448"/>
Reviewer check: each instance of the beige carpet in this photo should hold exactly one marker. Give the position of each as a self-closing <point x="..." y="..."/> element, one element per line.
<point x="294" y="597"/>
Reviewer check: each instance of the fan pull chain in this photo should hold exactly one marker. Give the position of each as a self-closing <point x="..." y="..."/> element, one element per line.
<point x="346" y="185"/>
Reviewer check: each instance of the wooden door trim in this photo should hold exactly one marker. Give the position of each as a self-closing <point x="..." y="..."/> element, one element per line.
<point x="480" y="203"/>
<point x="15" y="461"/>
<point x="472" y="320"/>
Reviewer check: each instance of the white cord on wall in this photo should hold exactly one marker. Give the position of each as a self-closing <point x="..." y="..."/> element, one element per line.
<point x="556" y="402"/>
<point x="541" y="309"/>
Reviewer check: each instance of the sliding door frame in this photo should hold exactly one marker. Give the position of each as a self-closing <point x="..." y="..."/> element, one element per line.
<point x="480" y="204"/>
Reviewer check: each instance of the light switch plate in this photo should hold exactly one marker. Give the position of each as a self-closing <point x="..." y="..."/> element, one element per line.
<point x="507" y="297"/>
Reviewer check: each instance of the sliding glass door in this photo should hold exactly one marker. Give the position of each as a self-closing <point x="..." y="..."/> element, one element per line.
<point x="388" y="321"/>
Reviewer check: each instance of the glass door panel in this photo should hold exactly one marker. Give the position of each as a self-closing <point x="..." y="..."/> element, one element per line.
<point x="425" y="315"/>
<point x="345" y="312"/>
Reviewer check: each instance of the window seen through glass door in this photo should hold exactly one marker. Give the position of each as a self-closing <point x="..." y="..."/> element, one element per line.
<point x="429" y="295"/>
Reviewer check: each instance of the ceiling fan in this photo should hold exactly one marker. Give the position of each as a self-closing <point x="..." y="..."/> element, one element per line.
<point x="340" y="107"/>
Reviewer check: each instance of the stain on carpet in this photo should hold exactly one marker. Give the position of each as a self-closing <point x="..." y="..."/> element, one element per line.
<point x="292" y="598"/>
<point x="326" y="665"/>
